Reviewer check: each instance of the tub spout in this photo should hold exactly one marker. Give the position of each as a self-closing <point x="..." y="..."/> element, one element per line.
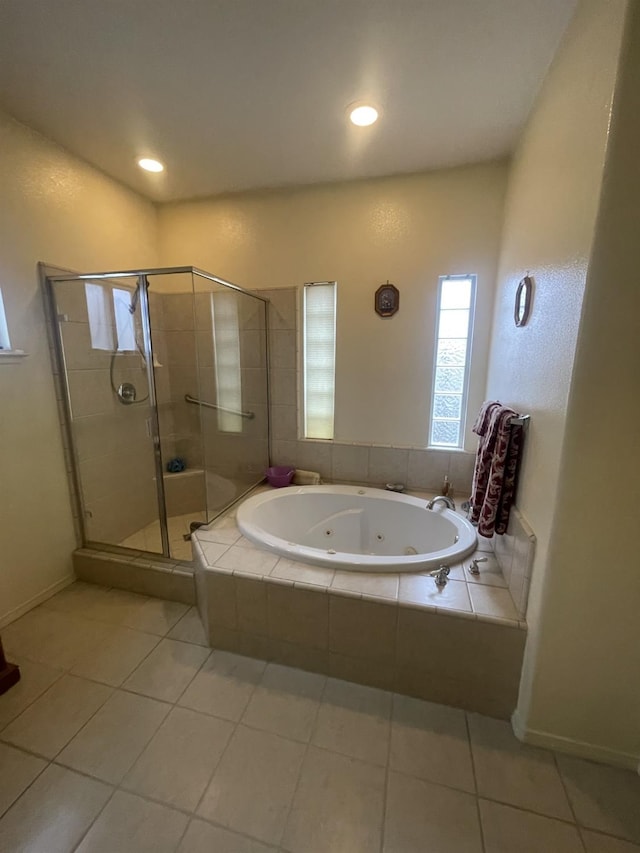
<point x="441" y="575"/>
<point x="448" y="502"/>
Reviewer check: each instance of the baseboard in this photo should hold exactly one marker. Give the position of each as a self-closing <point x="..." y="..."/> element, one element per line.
<point x="577" y="748"/>
<point x="50" y="591"/>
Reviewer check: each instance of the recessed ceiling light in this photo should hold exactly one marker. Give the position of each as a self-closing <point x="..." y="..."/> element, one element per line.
<point x="150" y="165"/>
<point x="363" y="115"/>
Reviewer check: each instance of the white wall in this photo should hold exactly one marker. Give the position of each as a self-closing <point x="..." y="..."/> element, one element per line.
<point x="550" y="215"/>
<point x="408" y="229"/>
<point x="584" y="686"/>
<point x="56" y="209"/>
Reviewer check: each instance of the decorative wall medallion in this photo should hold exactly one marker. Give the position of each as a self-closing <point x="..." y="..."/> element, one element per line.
<point x="387" y="300"/>
<point x="522" y="306"/>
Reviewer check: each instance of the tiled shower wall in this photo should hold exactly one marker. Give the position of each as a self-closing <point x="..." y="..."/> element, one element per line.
<point x="112" y="445"/>
<point x="375" y="465"/>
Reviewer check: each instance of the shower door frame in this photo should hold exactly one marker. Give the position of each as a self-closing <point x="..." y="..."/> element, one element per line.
<point x="142" y="278"/>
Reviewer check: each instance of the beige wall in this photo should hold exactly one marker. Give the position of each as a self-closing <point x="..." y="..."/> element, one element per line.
<point x="409" y="230"/>
<point x="550" y="214"/>
<point x="584" y="680"/>
<point x="57" y="209"/>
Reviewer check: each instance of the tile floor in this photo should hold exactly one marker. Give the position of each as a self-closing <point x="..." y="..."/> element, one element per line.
<point x="127" y="733"/>
<point x="149" y="539"/>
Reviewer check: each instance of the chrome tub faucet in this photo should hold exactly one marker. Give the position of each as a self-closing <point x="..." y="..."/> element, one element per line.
<point x="441" y="575"/>
<point x="448" y="502"/>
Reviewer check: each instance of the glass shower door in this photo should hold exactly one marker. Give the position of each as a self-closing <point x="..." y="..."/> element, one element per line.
<point x="104" y="335"/>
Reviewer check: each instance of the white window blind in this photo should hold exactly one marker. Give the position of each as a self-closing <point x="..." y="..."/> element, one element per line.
<point x="454" y="324"/>
<point x="99" y="313"/>
<point x="226" y="344"/>
<point x="319" y="355"/>
<point x="125" y="321"/>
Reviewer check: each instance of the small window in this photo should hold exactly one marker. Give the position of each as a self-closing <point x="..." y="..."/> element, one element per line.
<point x="319" y="358"/>
<point x="5" y="343"/>
<point x="125" y="320"/>
<point x="454" y="325"/>
<point x="226" y="345"/>
<point x="99" y="313"/>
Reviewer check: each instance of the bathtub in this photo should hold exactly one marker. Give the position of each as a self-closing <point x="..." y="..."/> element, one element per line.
<point x="359" y="529"/>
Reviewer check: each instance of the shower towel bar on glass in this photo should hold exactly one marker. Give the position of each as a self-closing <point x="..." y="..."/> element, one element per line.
<point x="193" y="400"/>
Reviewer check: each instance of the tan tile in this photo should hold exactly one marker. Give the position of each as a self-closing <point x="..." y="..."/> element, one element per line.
<point x="421" y="816"/>
<point x="354" y="720"/>
<point x="178" y="762"/>
<point x="298" y="616"/>
<point x="492" y="601"/>
<point x="252" y="788"/>
<point x="132" y="825"/>
<point x="167" y="671"/>
<point x="360" y="628"/>
<point x="189" y="629"/>
<point x="47" y="725"/>
<point x="302" y="573"/>
<point x="54" y="813"/>
<point x="251" y="605"/>
<point x="117" y="607"/>
<point x="35" y="678"/>
<point x="338" y="806"/>
<point x="603" y="798"/>
<point x="513" y="772"/>
<point x="213" y="550"/>
<point x="285" y="702"/>
<point x="248" y="560"/>
<point x="202" y="837"/>
<point x="379" y="584"/>
<point x="224" y="685"/>
<point x="156" y="616"/>
<point x="506" y="829"/>
<point x="112" y="740"/>
<point x="372" y="673"/>
<point x="388" y="465"/>
<point x="76" y="598"/>
<point x="116" y="657"/>
<point x="452" y="596"/>
<point x="52" y="638"/>
<point x="221" y="600"/>
<point x="350" y="463"/>
<point x="430" y="741"/>
<point x="302" y="657"/>
<point x="594" y="842"/>
<point x="18" y="770"/>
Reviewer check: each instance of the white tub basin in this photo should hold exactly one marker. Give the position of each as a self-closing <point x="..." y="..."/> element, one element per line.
<point x="361" y="529"/>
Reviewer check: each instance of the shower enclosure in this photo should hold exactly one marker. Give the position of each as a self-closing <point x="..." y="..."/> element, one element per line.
<point x="165" y="379"/>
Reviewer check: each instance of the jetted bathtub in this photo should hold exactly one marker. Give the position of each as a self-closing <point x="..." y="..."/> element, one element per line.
<point x="359" y="529"/>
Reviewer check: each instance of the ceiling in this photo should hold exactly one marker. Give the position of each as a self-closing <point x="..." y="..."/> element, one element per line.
<point x="242" y="94"/>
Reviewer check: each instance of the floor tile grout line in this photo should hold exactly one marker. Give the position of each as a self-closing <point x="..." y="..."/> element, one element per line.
<point x="34" y="700"/>
<point x="302" y="763"/>
<point x="556" y="764"/>
<point x="22" y="793"/>
<point x="475" y="779"/>
<point x="387" y="772"/>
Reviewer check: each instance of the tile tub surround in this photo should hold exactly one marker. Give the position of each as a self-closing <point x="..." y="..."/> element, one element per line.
<point x="515" y="552"/>
<point x="224" y="752"/>
<point x="144" y="574"/>
<point x="461" y="645"/>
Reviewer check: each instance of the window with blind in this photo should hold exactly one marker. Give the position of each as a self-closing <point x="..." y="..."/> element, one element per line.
<point x="226" y="345"/>
<point x="454" y="326"/>
<point x="319" y="358"/>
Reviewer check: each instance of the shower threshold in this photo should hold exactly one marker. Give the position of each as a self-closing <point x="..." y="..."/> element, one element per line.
<point x="149" y="538"/>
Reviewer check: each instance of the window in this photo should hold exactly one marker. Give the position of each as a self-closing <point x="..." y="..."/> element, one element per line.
<point x="226" y="343"/>
<point x="5" y="343"/>
<point x="98" y="311"/>
<point x="319" y="358"/>
<point x="125" y="321"/>
<point x="454" y="325"/>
